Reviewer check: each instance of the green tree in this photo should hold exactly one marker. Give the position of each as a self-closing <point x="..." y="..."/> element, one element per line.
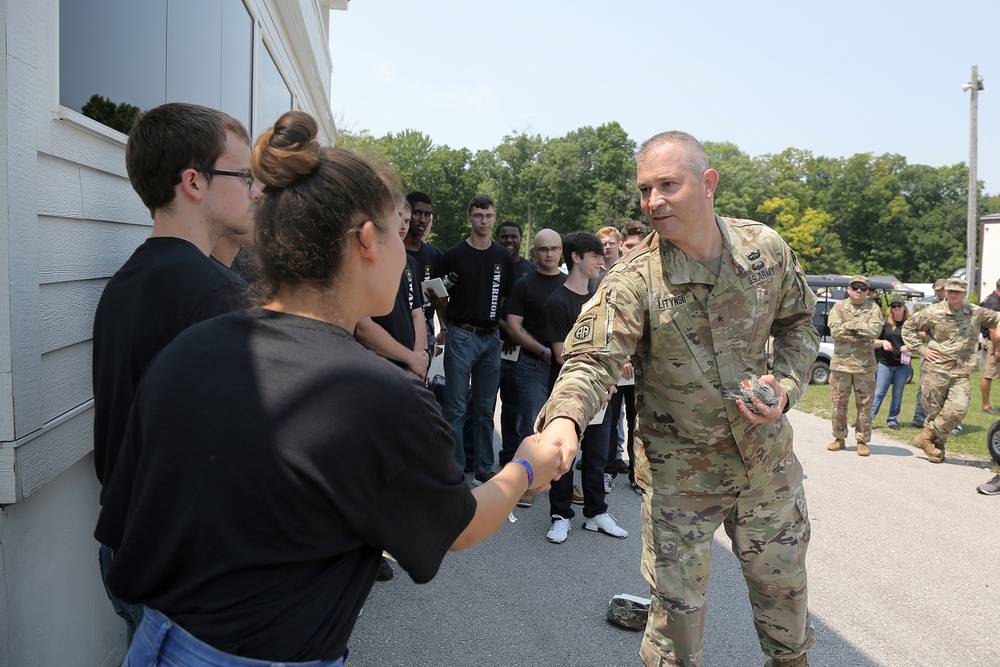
<point x="120" y="117"/>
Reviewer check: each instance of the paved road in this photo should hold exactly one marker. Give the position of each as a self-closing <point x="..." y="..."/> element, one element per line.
<point x="904" y="571"/>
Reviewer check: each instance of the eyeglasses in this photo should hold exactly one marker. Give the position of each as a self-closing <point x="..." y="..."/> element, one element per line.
<point x="859" y="288"/>
<point x="245" y="175"/>
<point x="488" y="217"/>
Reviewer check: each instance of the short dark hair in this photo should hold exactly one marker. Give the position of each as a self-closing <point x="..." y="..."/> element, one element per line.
<point x="314" y="197"/>
<point x="418" y="196"/>
<point x="507" y="223"/>
<point x="170" y="138"/>
<point x="581" y="243"/>
<point x="481" y="201"/>
<point x="633" y="228"/>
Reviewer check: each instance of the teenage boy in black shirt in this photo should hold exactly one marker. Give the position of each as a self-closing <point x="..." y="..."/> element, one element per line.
<point x="508" y="234"/>
<point x="428" y="257"/>
<point x="400" y="336"/>
<point x="190" y="166"/>
<point x="584" y="259"/>
<point x="483" y="271"/>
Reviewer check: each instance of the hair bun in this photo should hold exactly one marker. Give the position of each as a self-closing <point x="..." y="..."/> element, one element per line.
<point x="287" y="151"/>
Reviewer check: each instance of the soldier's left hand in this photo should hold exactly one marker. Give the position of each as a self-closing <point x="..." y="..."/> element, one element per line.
<point x="767" y="414"/>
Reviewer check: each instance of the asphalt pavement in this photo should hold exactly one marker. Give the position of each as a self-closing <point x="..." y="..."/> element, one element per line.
<point x="904" y="571"/>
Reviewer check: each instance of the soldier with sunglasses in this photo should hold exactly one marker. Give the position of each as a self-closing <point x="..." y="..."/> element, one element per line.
<point x="854" y="324"/>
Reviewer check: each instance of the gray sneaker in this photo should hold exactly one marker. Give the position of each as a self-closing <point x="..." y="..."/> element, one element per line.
<point x="990" y="488"/>
<point x="608" y="482"/>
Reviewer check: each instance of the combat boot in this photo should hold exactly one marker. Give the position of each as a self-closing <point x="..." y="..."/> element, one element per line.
<point x="863" y="449"/>
<point x="800" y="661"/>
<point x="924" y="440"/>
<point x="936" y="455"/>
<point x="836" y="445"/>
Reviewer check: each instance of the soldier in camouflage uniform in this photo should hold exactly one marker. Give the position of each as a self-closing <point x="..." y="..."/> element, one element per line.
<point x="854" y="324"/>
<point x="694" y="305"/>
<point x="950" y="355"/>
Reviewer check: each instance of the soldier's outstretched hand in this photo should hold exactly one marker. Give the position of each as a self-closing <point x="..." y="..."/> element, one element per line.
<point x="545" y="459"/>
<point x="765" y="413"/>
<point x="561" y="432"/>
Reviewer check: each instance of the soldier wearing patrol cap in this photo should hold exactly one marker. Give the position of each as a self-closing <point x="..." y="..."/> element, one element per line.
<point x="950" y="350"/>
<point x="854" y="324"/>
<point x="919" y="416"/>
<point x="694" y="305"/>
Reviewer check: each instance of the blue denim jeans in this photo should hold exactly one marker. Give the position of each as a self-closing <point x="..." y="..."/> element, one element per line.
<point x="510" y="411"/>
<point x="533" y="390"/>
<point x="897" y="377"/>
<point x="472" y="364"/>
<point x="160" y="641"/>
<point x="130" y="613"/>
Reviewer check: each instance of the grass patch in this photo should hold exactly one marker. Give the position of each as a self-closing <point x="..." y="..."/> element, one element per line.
<point x="971" y="442"/>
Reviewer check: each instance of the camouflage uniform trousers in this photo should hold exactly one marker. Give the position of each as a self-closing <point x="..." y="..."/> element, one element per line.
<point x="864" y="394"/>
<point x="946" y="400"/>
<point x="769" y="528"/>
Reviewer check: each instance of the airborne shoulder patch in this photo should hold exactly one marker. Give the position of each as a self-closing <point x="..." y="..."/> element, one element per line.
<point x="584" y="332"/>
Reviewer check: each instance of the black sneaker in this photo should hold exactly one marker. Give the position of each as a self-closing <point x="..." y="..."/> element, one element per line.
<point x="384" y="570"/>
<point x="621" y="467"/>
<point x="893" y="426"/>
<point x="990" y="488"/>
<point x="579" y="464"/>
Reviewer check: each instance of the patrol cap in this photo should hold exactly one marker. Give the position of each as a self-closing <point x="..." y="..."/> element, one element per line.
<point x="956" y="285"/>
<point x="939" y="284"/>
<point x="896" y="300"/>
<point x="859" y="279"/>
<point x="628" y="611"/>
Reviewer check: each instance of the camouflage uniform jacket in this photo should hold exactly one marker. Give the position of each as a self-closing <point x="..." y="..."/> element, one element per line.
<point x="954" y="334"/>
<point x="688" y="341"/>
<point x="854" y="329"/>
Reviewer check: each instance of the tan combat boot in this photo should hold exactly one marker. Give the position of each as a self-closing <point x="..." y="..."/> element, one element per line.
<point x="801" y="661"/>
<point x="836" y="445"/>
<point x="863" y="449"/>
<point x="924" y="440"/>
<point x="936" y="455"/>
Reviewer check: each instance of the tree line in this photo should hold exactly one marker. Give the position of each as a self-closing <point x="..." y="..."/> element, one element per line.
<point x="870" y="214"/>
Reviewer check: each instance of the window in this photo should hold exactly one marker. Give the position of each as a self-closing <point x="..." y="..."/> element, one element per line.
<point x="138" y="54"/>
<point x="275" y="98"/>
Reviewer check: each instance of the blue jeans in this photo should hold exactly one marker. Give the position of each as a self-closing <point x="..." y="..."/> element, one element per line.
<point x="160" y="641"/>
<point x="130" y="613"/>
<point x="510" y="411"/>
<point x="897" y="377"/>
<point x="475" y="358"/>
<point x="533" y="390"/>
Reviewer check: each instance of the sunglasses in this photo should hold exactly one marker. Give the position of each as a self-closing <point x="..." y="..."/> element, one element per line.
<point x="896" y="305"/>
<point x="859" y="288"/>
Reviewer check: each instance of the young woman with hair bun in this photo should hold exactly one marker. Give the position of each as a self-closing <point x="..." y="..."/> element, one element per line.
<point x="270" y="458"/>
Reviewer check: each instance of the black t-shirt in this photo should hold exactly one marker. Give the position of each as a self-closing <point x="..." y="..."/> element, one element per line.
<point x="993" y="303"/>
<point x="260" y="481"/>
<point x="399" y="322"/>
<point x="484" y="279"/>
<point x="895" y="337"/>
<point x="527" y="299"/>
<point x="561" y="312"/>
<point x="522" y="267"/>
<point x="428" y="266"/>
<point x="165" y="286"/>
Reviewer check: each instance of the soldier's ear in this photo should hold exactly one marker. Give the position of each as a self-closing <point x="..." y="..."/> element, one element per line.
<point x="710" y="181"/>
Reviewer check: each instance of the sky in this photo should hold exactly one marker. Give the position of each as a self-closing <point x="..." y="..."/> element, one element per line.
<point x="882" y="76"/>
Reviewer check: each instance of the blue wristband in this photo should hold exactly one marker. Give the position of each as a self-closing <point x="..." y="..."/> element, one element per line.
<point x="528" y="468"/>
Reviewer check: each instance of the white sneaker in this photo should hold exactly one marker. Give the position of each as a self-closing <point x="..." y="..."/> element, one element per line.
<point x="608" y="482"/>
<point x="559" y="531"/>
<point x="604" y="523"/>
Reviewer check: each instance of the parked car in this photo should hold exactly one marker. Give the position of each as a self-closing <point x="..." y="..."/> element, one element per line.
<point x="820" y="371"/>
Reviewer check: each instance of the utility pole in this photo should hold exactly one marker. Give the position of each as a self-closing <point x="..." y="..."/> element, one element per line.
<point x="975" y="85"/>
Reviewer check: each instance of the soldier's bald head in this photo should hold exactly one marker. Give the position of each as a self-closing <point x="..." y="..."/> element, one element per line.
<point x="546" y="238"/>
<point x="694" y="154"/>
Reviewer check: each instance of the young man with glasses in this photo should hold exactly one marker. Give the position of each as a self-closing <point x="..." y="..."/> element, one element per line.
<point x="854" y="324"/>
<point x="483" y="270"/>
<point x="190" y="165"/>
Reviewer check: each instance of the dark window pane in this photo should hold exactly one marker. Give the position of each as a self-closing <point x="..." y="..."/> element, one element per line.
<point x="275" y="98"/>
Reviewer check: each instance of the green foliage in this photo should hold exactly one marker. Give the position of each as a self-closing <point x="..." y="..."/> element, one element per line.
<point x="873" y="214"/>
<point x="120" y="117"/>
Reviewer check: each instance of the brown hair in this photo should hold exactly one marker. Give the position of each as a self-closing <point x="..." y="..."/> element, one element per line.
<point x="314" y="197"/>
<point x="892" y="321"/>
<point x="170" y="138"/>
<point x="633" y="228"/>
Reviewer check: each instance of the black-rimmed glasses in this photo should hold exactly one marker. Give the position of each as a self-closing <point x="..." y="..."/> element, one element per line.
<point x="245" y="175"/>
